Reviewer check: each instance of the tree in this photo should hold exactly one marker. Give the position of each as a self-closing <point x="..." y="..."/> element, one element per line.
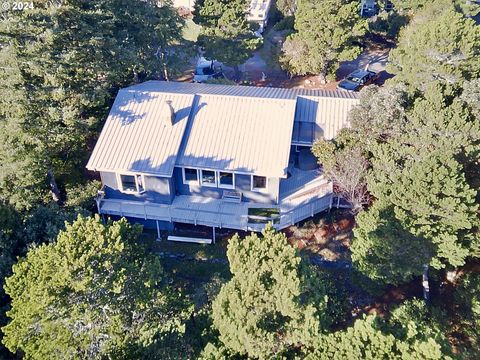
<point x="64" y="65"/>
<point x="326" y="32"/>
<point x="226" y="34"/>
<point x="370" y="338"/>
<point x="347" y="169"/>
<point x="10" y="230"/>
<point x="380" y="114"/>
<point x="384" y="250"/>
<point x="286" y="7"/>
<point x="93" y="293"/>
<point x="423" y="155"/>
<point x="467" y="308"/>
<point x="421" y="173"/>
<point x="274" y="302"/>
<point x="440" y="43"/>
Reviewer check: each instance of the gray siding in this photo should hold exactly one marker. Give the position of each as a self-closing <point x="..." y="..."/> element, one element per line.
<point x="157" y="189"/>
<point x="242" y="184"/>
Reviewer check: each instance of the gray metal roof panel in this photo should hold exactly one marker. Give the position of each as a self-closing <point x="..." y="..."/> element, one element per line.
<point x="237" y="90"/>
<point x="243" y="134"/>
<point x="135" y="139"/>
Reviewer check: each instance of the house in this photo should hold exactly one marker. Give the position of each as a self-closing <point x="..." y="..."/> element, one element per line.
<point x="257" y="12"/>
<point x="216" y="155"/>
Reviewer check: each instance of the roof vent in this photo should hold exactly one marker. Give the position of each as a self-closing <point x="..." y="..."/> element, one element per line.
<point x="168" y="113"/>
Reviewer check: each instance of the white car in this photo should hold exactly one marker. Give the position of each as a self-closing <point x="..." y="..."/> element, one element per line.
<point x="206" y="70"/>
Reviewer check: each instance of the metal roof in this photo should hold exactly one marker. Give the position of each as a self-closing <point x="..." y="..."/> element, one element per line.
<point x="237" y="90"/>
<point x="244" y="134"/>
<point x="320" y="117"/>
<point x="239" y="128"/>
<point x="135" y="139"/>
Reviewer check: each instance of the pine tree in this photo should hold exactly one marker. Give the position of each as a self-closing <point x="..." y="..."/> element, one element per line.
<point x="93" y="293"/>
<point x="370" y="338"/>
<point x="226" y="34"/>
<point x="426" y="206"/>
<point x="63" y="67"/>
<point x="441" y="43"/>
<point x="273" y="303"/>
<point x="326" y="32"/>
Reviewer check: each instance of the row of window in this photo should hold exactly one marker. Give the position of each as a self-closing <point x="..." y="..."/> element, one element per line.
<point x="220" y="179"/>
<point x="209" y="178"/>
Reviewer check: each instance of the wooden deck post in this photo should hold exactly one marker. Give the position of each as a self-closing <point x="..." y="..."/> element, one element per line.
<point x="159" y="238"/>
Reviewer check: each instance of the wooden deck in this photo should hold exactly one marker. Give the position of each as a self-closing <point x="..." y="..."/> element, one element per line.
<point x="219" y="213"/>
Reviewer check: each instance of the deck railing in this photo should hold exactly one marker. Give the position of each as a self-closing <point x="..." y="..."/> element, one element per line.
<point x="217" y="218"/>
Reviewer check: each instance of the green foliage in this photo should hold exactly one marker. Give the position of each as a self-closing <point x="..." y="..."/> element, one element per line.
<point x="421" y="174"/>
<point x="83" y="195"/>
<point x="43" y="224"/>
<point x="384" y="251"/>
<point x="226" y="34"/>
<point x="369" y="338"/>
<point x="286" y="7"/>
<point x="467" y="298"/>
<point x="286" y="23"/>
<point x="10" y="229"/>
<point x="440" y="43"/>
<point x="388" y="24"/>
<point x="273" y="303"/>
<point x="64" y="67"/>
<point x="428" y="321"/>
<point x="379" y="115"/>
<point x="93" y="293"/>
<point x="327" y="32"/>
<point x="420" y="152"/>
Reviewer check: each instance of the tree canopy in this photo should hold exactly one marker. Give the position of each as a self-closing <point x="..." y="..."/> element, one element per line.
<point x="370" y="338"/>
<point x="63" y="66"/>
<point x="440" y="43"/>
<point x="326" y="32"/>
<point x="273" y="302"/>
<point x="226" y="34"/>
<point x="92" y="293"/>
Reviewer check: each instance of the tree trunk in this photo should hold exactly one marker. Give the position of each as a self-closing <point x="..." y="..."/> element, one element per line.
<point x="238" y="74"/>
<point x="53" y="187"/>
<point x="425" y="285"/>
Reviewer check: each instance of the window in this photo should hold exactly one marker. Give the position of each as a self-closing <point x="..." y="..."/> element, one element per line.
<point x="190" y="176"/>
<point x="259" y="182"/>
<point x="140" y="186"/>
<point x="208" y="178"/>
<point x="225" y="180"/>
<point x="131" y="183"/>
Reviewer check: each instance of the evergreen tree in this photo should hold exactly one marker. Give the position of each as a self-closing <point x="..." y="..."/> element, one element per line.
<point x="273" y="303"/>
<point x="93" y="293"/>
<point x="467" y="309"/>
<point x="286" y="7"/>
<point x="384" y="250"/>
<point x="370" y="338"/>
<point x="63" y="66"/>
<point x="326" y="33"/>
<point x="426" y="204"/>
<point x="226" y="34"/>
<point x="440" y="43"/>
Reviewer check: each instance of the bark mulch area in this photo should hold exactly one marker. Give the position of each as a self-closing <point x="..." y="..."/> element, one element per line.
<point x="329" y="236"/>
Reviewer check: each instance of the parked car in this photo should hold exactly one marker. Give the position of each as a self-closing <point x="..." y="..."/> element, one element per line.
<point x="358" y="79"/>
<point x="206" y="70"/>
<point x="368" y="8"/>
